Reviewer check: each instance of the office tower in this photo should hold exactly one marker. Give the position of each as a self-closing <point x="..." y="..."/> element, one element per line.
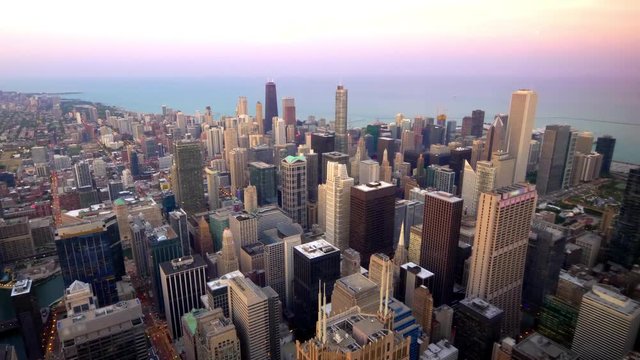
<point x="263" y="177"/>
<point x="252" y="315"/>
<point x="178" y="221"/>
<point x="456" y="162"/>
<point x="111" y="332"/>
<point x="494" y="138"/>
<point x="369" y="171"/>
<point x="214" y="142"/>
<point x="214" y="335"/>
<point x="164" y="245"/>
<point x="441" y="178"/>
<point x="312" y="176"/>
<point x="83" y="174"/>
<point x="545" y="255"/>
<point x="555" y="157"/>
<point x="423" y="307"/>
<point x="477" y="123"/>
<point x="443" y="315"/>
<point x="322" y="143"/>
<point x="183" y="283"/>
<point x="27" y="313"/>
<point x="16" y="241"/>
<point x="522" y="114"/>
<point x="350" y="263"/>
<point x="99" y="168"/>
<point x="228" y="261"/>
<point x="408" y="140"/>
<point x="536" y="346"/>
<point x="252" y="257"/>
<point x="259" y="118"/>
<point x="238" y="159"/>
<point x="605" y="145"/>
<point x="372" y="208"/>
<point x="385" y="169"/>
<point x="187" y="175"/>
<point x="378" y="266"/>
<point x="411" y="277"/>
<point x="270" y="105"/>
<point x="250" y="199"/>
<point x="140" y="245"/>
<point x="535" y="148"/>
<point x="213" y="188"/>
<point x="316" y="266"/>
<point x="280" y="131"/>
<point x="294" y="188"/>
<point x="115" y="187"/>
<point x="335" y="157"/>
<point x="584" y="142"/>
<point x="505" y="167"/>
<point x="586" y="167"/>
<point x="468" y="192"/>
<point x="289" y="110"/>
<point x="122" y="216"/>
<point x="337" y="205"/>
<point x="241" y="106"/>
<point x="500" y="247"/>
<point x="279" y="243"/>
<point x="388" y="144"/>
<point x="355" y="290"/>
<point x="341" y="119"/>
<point x="440" y="233"/>
<point x="134" y="163"/>
<point x="625" y="245"/>
<point x="244" y="227"/>
<point x="477" y="327"/>
<point x="590" y="244"/>
<point x="203" y="241"/>
<point x="90" y="251"/>
<point x="230" y="136"/>
<point x="400" y="256"/>
<point x="607" y="324"/>
<point x="450" y="131"/>
<point x="415" y="244"/>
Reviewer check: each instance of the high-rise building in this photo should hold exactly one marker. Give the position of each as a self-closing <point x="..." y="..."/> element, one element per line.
<point x="457" y="160"/>
<point x="178" y="221"/>
<point x="187" y="175"/>
<point x="545" y="255"/>
<point x="140" y="229"/>
<point x="536" y="346"/>
<point x="441" y="178"/>
<point x="314" y="262"/>
<point x="164" y="245"/>
<point x="625" y="245"/>
<point x="556" y="158"/>
<point x="227" y="261"/>
<point x="386" y="172"/>
<point x="259" y="118"/>
<point x="250" y="199"/>
<point x="289" y="110"/>
<point x="341" y="119"/>
<point x="605" y="145"/>
<point x="586" y="167"/>
<point x="337" y="205"/>
<point x="27" y="312"/>
<point x="477" y="123"/>
<point x="90" y="251"/>
<point x="270" y="105"/>
<point x="83" y="174"/>
<point x="355" y="290"/>
<point x="208" y="335"/>
<point x="522" y="114"/>
<point x="411" y="277"/>
<point x="372" y="209"/>
<point x="213" y="188"/>
<point x="494" y="139"/>
<point x="183" y="283"/>
<point x="294" y="188"/>
<point x="423" y="307"/>
<point x="214" y="142"/>
<point x="335" y="157"/>
<point x="263" y="177"/>
<point x="253" y="315"/>
<point x="238" y="159"/>
<point x="280" y="131"/>
<point x="607" y="326"/>
<point x="112" y="332"/>
<point x="230" y="141"/>
<point x="369" y="171"/>
<point x="505" y="167"/>
<point x="500" y="248"/>
<point x="440" y="235"/>
<point x="16" y="241"/>
<point x="477" y="327"/>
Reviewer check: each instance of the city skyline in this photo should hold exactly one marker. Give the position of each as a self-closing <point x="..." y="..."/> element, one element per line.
<point x="578" y="37"/>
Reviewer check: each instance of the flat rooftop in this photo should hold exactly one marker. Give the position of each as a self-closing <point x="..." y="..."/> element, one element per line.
<point x="444" y="196"/>
<point x="261" y="165"/>
<point x="418" y="270"/>
<point x="372" y="186"/>
<point x="89" y="324"/>
<point x="611" y="298"/>
<point x="316" y="248"/>
<point x="482" y="307"/>
<point x="537" y="346"/>
<point x="356" y="283"/>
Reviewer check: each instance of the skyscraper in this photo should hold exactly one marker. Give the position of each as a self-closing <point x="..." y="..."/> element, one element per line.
<point x="252" y="315"/>
<point x="25" y="304"/>
<point x="477" y="123"/>
<point x="477" y="327"/>
<point x="440" y="235"/>
<point x="605" y="145"/>
<point x="270" y="105"/>
<point x="341" y="119"/>
<point x="183" y="283"/>
<point x="238" y="159"/>
<point x="294" y="188"/>
<point x="280" y="132"/>
<point x="228" y="261"/>
<point x="90" y="251"/>
<point x="83" y="174"/>
<point x="178" y="221"/>
<point x="500" y="247"/>
<point x="337" y="205"/>
<point x="556" y="158"/>
<point x="213" y="188"/>
<point x="314" y="262"/>
<point x="522" y="114"/>
<point x="263" y="177"/>
<point x="289" y="110"/>
<point x="187" y="175"/>
<point x="372" y="209"/>
<point x="607" y="326"/>
<point x="250" y="199"/>
<point x="494" y="138"/>
<point x="625" y="246"/>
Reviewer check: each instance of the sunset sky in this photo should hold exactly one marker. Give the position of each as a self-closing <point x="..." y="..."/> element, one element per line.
<point x="338" y="38"/>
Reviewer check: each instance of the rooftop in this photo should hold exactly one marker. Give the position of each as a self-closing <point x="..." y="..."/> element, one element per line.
<point x="417" y="270"/>
<point x="316" y="249"/>
<point x="82" y="327"/>
<point x="537" y="346"/>
<point x="373" y="186"/>
<point x="482" y="307"/>
<point x="182" y="264"/>
<point x="223" y="281"/>
<point x="261" y="165"/>
<point x="611" y="298"/>
<point x="294" y="159"/>
<point x="440" y="350"/>
<point x="445" y="196"/>
<point x="355" y="283"/>
<point x="21" y="287"/>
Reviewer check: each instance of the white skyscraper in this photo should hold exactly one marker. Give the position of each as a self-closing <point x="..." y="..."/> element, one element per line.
<point x="607" y="325"/>
<point x="522" y="117"/>
<point x="280" y="132"/>
<point x="214" y="142"/>
<point x="369" y="171"/>
<point x="337" y="205"/>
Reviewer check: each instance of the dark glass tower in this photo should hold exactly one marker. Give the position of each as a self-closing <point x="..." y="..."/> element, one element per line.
<point x="605" y="146"/>
<point x="626" y="241"/>
<point x="456" y="163"/>
<point x="270" y="105"/>
<point x="477" y="123"/>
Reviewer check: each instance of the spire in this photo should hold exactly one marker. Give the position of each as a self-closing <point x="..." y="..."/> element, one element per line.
<point x="400" y="256"/>
<point x="319" y="322"/>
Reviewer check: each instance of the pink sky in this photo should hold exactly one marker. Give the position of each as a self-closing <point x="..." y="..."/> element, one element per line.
<point x="331" y="37"/>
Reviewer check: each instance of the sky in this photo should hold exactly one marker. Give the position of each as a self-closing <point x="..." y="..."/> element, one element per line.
<point x="330" y="37"/>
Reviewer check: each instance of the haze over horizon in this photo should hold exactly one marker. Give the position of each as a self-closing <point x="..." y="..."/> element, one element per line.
<point x="332" y="38"/>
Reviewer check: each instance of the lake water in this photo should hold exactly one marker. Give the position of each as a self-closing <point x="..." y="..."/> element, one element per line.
<point x="603" y="105"/>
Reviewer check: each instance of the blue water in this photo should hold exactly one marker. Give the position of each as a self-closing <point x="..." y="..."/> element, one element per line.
<point x="586" y="104"/>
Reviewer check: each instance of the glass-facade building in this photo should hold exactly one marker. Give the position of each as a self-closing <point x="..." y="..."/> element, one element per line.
<point x="263" y="177"/>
